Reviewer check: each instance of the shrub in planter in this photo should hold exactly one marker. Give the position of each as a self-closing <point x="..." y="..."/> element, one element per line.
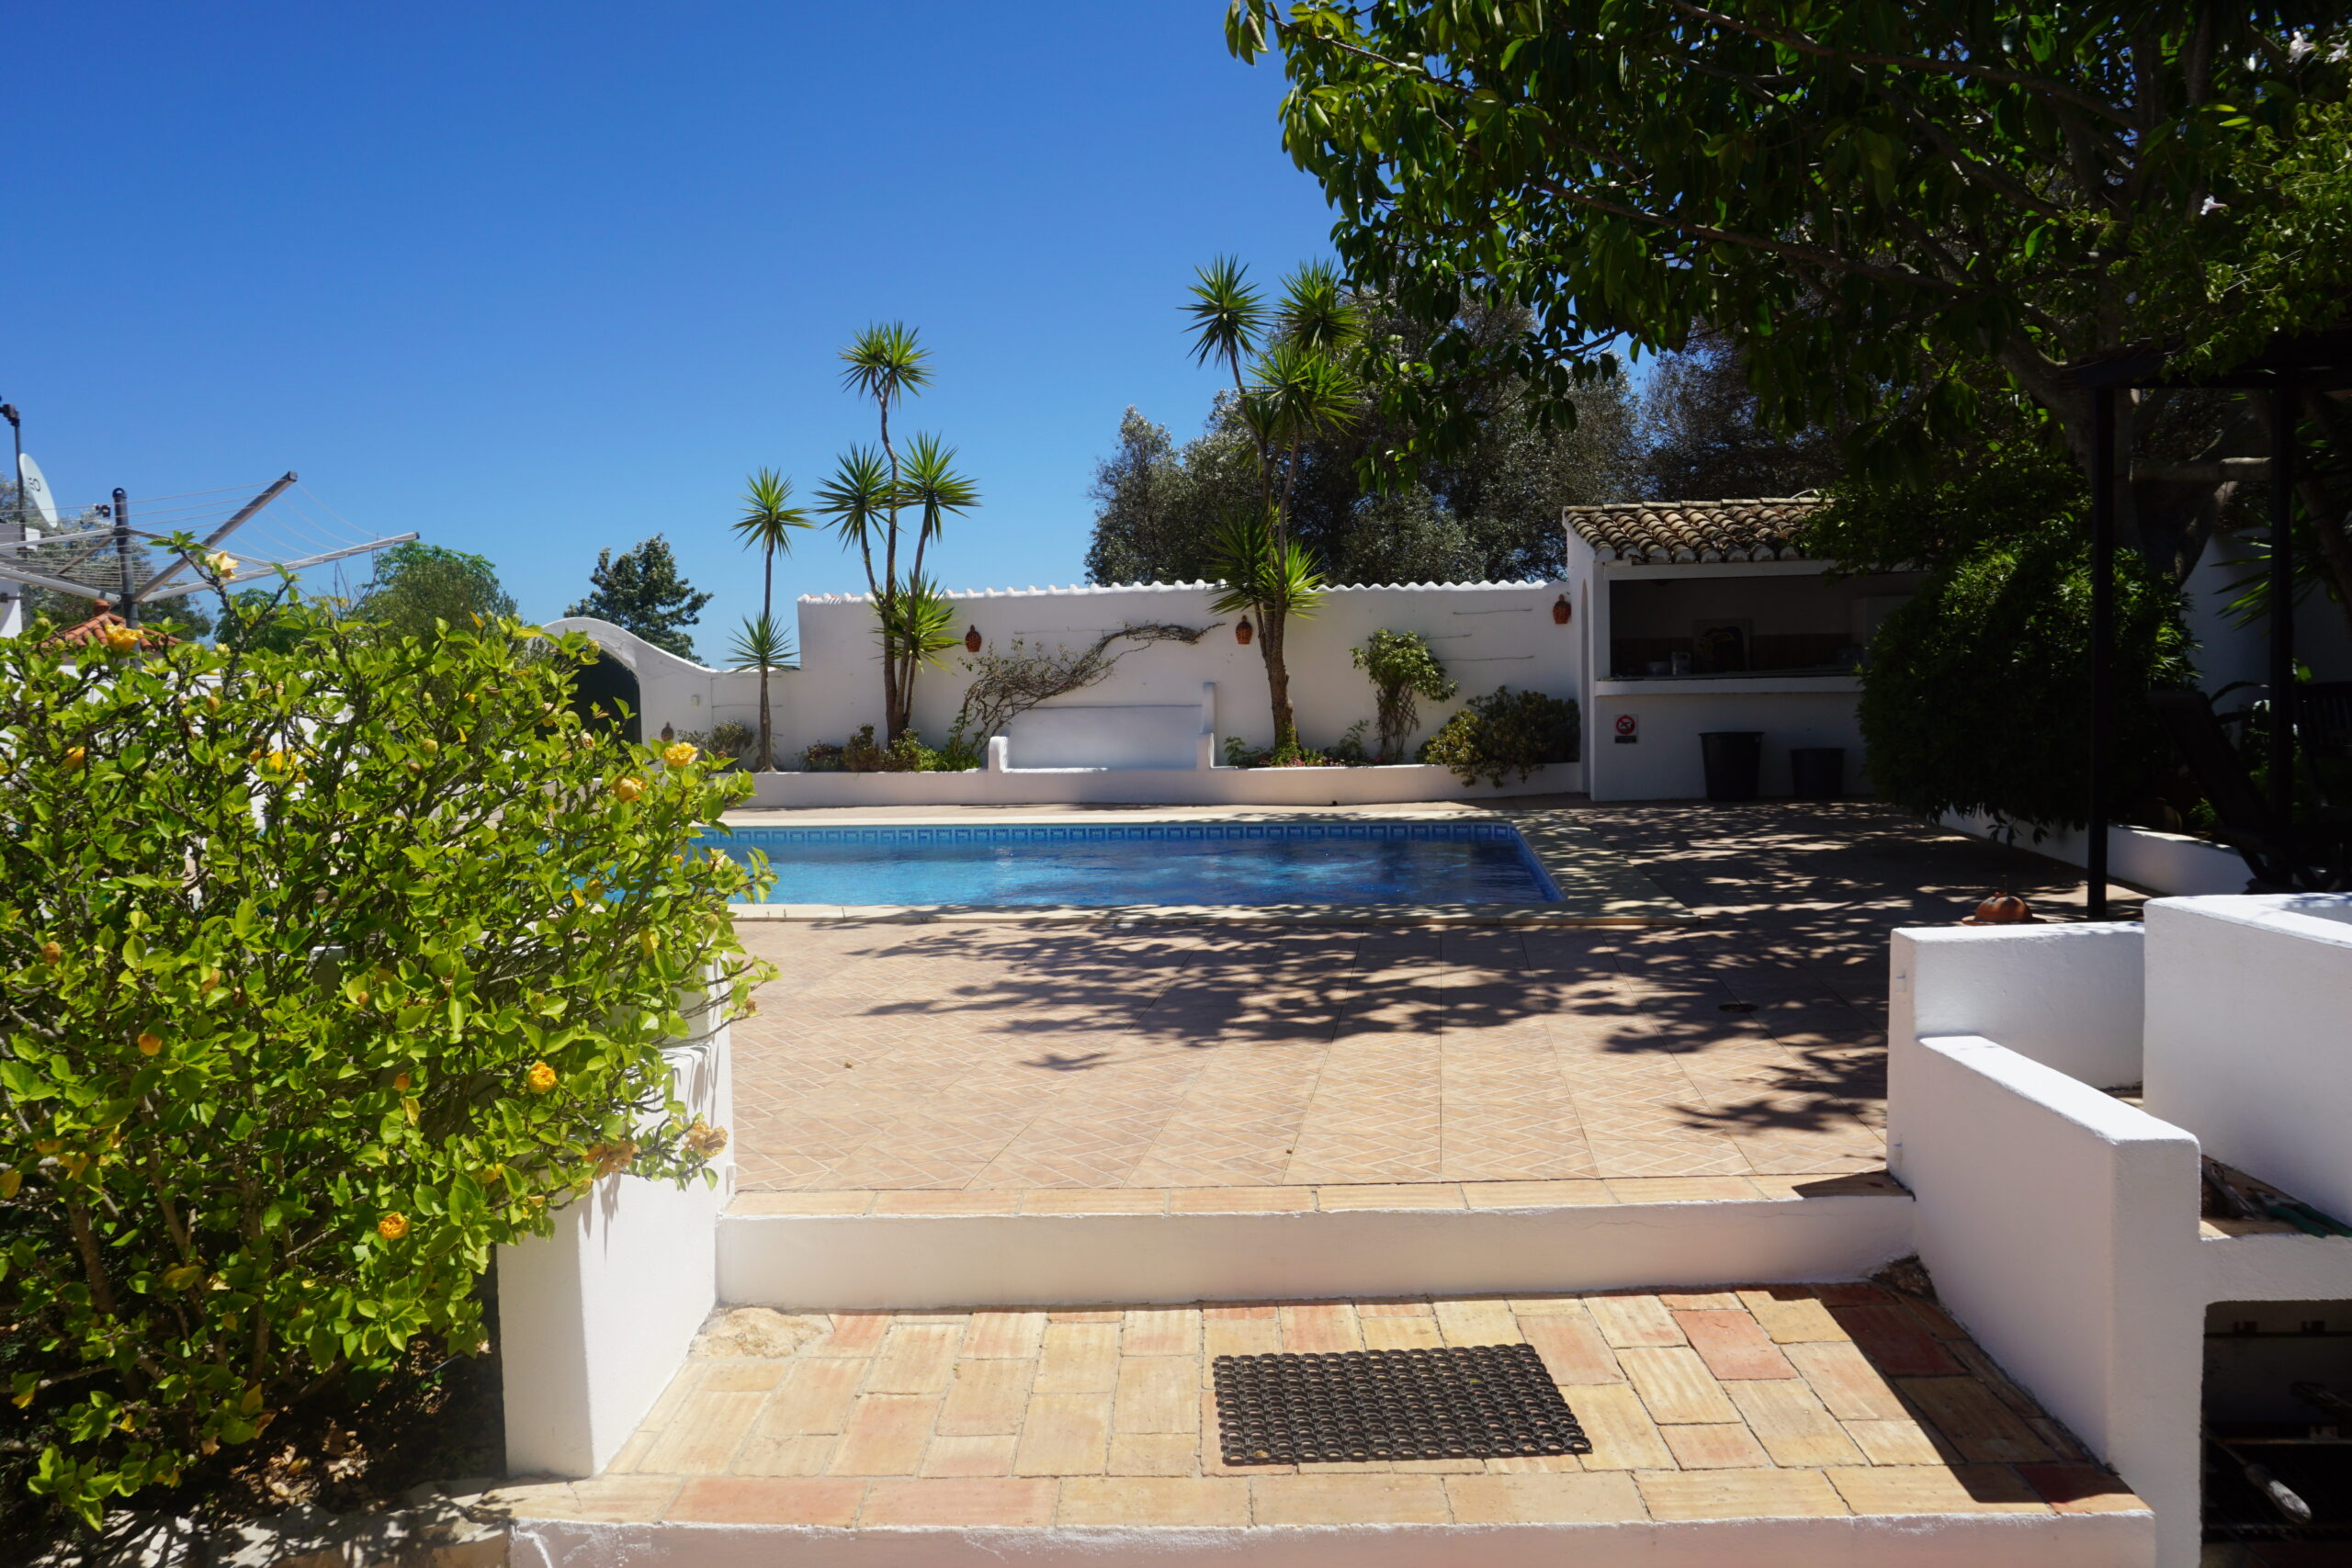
<point x="1402" y="669"/>
<point x="325" y="971"/>
<point x="1502" y="732"/>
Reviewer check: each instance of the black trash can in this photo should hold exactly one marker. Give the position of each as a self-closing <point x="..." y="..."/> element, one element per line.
<point x="1817" y="772"/>
<point x="1734" y="759"/>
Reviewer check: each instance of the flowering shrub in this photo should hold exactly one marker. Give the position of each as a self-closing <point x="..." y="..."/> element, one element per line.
<point x="322" y="973"/>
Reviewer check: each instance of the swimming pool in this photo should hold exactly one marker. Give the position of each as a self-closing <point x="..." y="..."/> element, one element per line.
<point x="1110" y="864"/>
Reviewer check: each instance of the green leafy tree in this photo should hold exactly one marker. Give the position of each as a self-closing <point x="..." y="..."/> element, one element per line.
<point x="1403" y="671"/>
<point x="868" y="493"/>
<point x="1885" y="206"/>
<point x="1489" y="509"/>
<point x="766" y="524"/>
<point x="326" y="971"/>
<point x="641" y="591"/>
<point x="419" y="586"/>
<point x="1976" y="693"/>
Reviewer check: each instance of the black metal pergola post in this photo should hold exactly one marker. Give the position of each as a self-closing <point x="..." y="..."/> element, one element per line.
<point x="2282" y="605"/>
<point x="2102" y="640"/>
<point x="2286" y="367"/>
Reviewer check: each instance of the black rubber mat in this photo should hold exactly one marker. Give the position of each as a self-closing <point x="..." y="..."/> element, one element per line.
<point x="1361" y="1407"/>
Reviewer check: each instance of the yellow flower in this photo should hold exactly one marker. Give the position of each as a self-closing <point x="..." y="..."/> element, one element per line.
<point x="149" y="1044"/>
<point x="222" y="563"/>
<point x="51" y="952"/>
<point x="704" y="1139"/>
<point x="628" y="789"/>
<point x="75" y="757"/>
<point x="120" y="639"/>
<point x="393" y="1226"/>
<point x="678" y="754"/>
<point x="540" y="1078"/>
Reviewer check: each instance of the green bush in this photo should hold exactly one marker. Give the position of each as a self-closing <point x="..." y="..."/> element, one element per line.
<point x="1402" y="669"/>
<point x="326" y="971"/>
<point x="1502" y="732"/>
<point x="1977" y="693"/>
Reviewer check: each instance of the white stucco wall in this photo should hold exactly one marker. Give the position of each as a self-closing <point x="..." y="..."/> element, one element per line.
<point x="594" y="1319"/>
<point x="2249" y="1026"/>
<point x="1487" y="634"/>
<point x="2061" y="1223"/>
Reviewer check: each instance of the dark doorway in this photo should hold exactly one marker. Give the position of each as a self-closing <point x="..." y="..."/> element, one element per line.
<point x="604" y="693"/>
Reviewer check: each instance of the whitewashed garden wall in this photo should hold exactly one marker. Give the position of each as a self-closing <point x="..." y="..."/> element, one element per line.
<point x="1147" y="714"/>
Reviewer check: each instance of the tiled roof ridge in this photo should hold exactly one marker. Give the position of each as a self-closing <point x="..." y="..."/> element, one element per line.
<point x="1754" y="528"/>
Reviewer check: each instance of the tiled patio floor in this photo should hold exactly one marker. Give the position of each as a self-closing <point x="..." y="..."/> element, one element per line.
<point x="1785" y="1401"/>
<point x="1011" y="1058"/>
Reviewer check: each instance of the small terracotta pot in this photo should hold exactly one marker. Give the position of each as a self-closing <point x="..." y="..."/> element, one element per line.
<point x="1243" y="633"/>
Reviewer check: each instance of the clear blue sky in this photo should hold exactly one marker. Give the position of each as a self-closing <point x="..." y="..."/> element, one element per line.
<point x="536" y="278"/>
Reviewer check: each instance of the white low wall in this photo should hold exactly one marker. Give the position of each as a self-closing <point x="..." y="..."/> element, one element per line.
<point x="1895" y="1541"/>
<point x="1150" y="786"/>
<point x="919" y="1261"/>
<point x="2058" y="1224"/>
<point x="594" y="1320"/>
<point x="1105" y="734"/>
<point x="2061" y="1223"/>
<point x="2249" y="1022"/>
<point x="2161" y="862"/>
<point x="1665" y="760"/>
<point x="2065" y="995"/>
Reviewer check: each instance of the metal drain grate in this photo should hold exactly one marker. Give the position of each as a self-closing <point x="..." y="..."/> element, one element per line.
<point x="1358" y="1406"/>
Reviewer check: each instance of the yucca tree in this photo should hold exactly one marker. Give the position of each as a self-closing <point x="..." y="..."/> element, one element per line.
<point x="868" y="490"/>
<point x="762" y="644"/>
<point x="1292" y="381"/>
<point x="766" y="525"/>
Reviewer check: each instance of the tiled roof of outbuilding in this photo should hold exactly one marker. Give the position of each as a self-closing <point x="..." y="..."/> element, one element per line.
<point x="1693" y="530"/>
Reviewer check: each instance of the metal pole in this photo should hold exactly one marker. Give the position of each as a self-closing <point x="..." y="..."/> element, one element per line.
<point x="2282" y="614"/>
<point x="129" y="607"/>
<point x="12" y="595"/>
<point x="2102" y="637"/>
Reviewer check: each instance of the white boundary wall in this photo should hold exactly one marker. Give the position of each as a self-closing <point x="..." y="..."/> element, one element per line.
<point x="1487" y="635"/>
<point x="594" y="1320"/>
<point x="2171" y="863"/>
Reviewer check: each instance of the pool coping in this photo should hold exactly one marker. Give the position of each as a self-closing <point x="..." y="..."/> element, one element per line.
<point x="1597" y="885"/>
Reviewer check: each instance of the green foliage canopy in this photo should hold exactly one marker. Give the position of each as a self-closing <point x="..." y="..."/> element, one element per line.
<point x="324" y="971"/>
<point x="1402" y="670"/>
<point x="417" y="584"/>
<point x="641" y="591"/>
<point x="1505" y="732"/>
<point x="1977" y="693"/>
<point x="1886" y="203"/>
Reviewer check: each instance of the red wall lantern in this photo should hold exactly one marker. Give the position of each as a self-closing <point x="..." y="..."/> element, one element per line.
<point x="1560" y="611"/>
<point x="1242" y="634"/>
<point x="972" y="639"/>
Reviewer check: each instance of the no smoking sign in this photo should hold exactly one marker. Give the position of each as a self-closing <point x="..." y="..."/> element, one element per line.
<point x="1629" y="729"/>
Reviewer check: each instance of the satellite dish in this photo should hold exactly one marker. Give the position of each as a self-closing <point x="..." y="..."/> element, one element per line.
<point x="36" y="488"/>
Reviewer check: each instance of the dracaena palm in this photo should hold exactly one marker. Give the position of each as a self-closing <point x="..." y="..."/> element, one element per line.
<point x="866" y="496"/>
<point x="1298" y="384"/>
<point x="766" y="524"/>
<point x="762" y="644"/>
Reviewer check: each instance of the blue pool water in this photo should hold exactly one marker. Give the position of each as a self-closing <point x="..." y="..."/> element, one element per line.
<point x="1150" y="862"/>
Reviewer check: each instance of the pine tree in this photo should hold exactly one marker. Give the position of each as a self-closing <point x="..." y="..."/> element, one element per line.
<point x="640" y="592"/>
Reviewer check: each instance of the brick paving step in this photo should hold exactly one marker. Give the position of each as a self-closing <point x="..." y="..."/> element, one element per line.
<point x="1806" y="1424"/>
<point x="942" y="1248"/>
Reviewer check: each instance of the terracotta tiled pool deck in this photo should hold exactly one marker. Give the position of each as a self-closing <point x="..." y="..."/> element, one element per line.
<point x="1785" y="1401"/>
<point x="997" y="1058"/>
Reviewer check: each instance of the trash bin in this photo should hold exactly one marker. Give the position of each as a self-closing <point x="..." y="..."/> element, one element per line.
<point x="1817" y="772"/>
<point x="1734" y="757"/>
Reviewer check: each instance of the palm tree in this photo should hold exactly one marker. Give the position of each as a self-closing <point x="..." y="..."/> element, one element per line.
<point x="762" y="644"/>
<point x="766" y="525"/>
<point x="865" y="497"/>
<point x="1298" y="385"/>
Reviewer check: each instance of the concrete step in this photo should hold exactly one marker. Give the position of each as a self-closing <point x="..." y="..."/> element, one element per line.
<point x="1773" y="1426"/>
<point x="942" y="1249"/>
